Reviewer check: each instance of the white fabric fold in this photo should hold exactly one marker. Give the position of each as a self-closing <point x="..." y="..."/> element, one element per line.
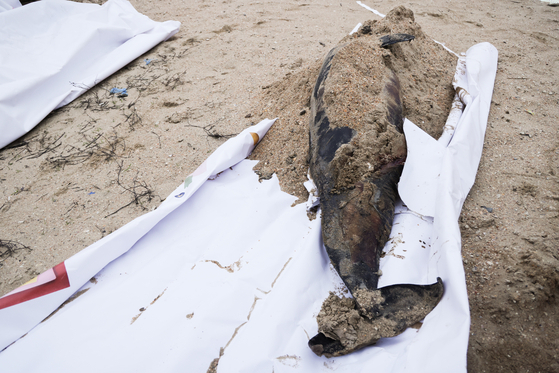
<point x="17" y="320"/>
<point x="233" y="274"/>
<point x="52" y="51"/>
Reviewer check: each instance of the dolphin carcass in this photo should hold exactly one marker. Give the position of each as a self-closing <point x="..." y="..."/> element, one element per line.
<point x="367" y="85"/>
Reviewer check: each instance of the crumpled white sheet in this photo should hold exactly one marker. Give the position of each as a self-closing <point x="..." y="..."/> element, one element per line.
<point x="52" y="51"/>
<point x="234" y="272"/>
<point x="9" y="5"/>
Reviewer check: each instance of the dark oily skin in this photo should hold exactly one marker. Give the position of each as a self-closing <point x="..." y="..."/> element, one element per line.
<point x="356" y="223"/>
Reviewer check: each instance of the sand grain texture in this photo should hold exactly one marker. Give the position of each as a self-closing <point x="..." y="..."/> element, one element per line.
<point x="63" y="186"/>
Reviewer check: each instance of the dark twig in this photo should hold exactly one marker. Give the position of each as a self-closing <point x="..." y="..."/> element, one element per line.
<point x="92" y="148"/>
<point x="72" y="206"/>
<point x="8" y="248"/>
<point x="132" y="119"/>
<point x="211" y="132"/>
<point x="18" y="145"/>
<point x="158" y="138"/>
<point x="140" y="190"/>
<point x="174" y="80"/>
<point x="88" y="123"/>
<point x="42" y="149"/>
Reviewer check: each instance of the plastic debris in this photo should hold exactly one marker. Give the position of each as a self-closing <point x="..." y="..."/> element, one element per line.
<point x="120" y="92"/>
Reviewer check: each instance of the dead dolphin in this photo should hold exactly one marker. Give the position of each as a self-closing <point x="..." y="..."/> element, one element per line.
<point x="356" y="166"/>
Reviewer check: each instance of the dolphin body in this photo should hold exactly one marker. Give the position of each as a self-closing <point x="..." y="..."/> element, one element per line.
<point x="357" y="218"/>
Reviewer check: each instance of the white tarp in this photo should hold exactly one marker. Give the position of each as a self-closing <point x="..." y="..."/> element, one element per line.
<point x="234" y="272"/>
<point x="51" y="51"/>
<point x="9" y="5"/>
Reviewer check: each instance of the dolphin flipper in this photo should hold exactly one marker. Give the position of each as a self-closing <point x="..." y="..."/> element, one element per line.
<point x="395" y="38"/>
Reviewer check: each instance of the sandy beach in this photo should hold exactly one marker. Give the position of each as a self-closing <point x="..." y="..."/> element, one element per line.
<point x="101" y="161"/>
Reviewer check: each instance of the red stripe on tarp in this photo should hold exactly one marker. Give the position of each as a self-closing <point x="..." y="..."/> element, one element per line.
<point x="60" y="282"/>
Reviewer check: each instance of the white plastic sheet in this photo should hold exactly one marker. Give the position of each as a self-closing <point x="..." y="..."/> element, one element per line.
<point x="16" y="317"/>
<point x="234" y="272"/>
<point x="9" y="5"/>
<point x="52" y="51"/>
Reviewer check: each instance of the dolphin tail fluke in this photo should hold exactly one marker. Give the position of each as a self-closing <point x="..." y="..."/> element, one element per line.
<point x="372" y="315"/>
<point x="405" y="300"/>
<point x="322" y="345"/>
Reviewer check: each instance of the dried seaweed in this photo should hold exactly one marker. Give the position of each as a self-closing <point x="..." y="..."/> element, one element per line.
<point x="141" y="192"/>
<point x="9" y="248"/>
